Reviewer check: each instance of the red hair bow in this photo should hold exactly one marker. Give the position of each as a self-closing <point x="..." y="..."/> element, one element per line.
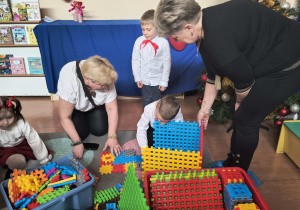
<point x="8" y="103"/>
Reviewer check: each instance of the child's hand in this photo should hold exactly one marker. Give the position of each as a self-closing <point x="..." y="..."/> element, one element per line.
<point x="139" y="84"/>
<point x="161" y="88"/>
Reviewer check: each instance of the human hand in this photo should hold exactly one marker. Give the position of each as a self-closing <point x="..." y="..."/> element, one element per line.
<point x="203" y="117"/>
<point x="139" y="84"/>
<point x="114" y="145"/>
<point x="78" y="151"/>
<point x="162" y="88"/>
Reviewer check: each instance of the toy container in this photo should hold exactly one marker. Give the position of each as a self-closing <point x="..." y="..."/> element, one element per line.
<point x="76" y="199"/>
<point x="257" y="198"/>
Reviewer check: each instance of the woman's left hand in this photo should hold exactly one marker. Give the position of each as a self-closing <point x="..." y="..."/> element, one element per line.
<point x="114" y="145"/>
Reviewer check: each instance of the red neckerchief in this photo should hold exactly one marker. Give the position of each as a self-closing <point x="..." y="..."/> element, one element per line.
<point x="145" y="42"/>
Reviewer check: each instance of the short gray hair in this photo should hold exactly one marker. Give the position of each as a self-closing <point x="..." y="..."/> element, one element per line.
<point x="171" y="16"/>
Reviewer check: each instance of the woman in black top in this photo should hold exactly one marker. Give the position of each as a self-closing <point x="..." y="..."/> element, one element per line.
<point x="255" y="47"/>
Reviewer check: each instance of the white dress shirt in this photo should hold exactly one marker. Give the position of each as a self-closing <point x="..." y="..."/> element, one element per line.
<point x="70" y="89"/>
<point x="149" y="117"/>
<point x="17" y="134"/>
<point x="151" y="69"/>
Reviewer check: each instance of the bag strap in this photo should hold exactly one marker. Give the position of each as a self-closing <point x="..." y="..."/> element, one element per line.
<point x="85" y="89"/>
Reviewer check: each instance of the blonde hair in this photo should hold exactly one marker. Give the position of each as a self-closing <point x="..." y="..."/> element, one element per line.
<point x="168" y="107"/>
<point x="99" y="70"/>
<point x="171" y="16"/>
<point x="148" y="17"/>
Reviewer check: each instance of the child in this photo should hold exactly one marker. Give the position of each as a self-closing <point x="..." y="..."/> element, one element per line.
<point x="164" y="110"/>
<point x="18" y="140"/>
<point x="151" y="61"/>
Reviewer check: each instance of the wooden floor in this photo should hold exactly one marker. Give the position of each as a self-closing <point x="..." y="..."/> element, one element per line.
<point x="281" y="177"/>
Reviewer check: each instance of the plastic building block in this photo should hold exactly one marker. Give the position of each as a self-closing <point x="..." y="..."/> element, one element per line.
<point x="183" y="136"/>
<point x="32" y="205"/>
<point x="68" y="170"/>
<point x="17" y="173"/>
<point x="86" y="175"/>
<point x="96" y="180"/>
<point x="51" y="195"/>
<point x="235" y="194"/>
<point x="74" y="163"/>
<point x="130" y="152"/>
<point x="28" y="183"/>
<point x="231" y="176"/>
<point x="20" y="202"/>
<point x="14" y="192"/>
<point x="108" y="158"/>
<point x="80" y="178"/>
<point x="119" y="186"/>
<point x="193" y="190"/>
<point x="111" y="206"/>
<point x="62" y="183"/>
<point x="40" y="174"/>
<point x="50" y="165"/>
<point x="51" y="171"/>
<point x="126" y="166"/>
<point x="132" y="194"/>
<point x="73" y="178"/>
<point x="106" y="169"/>
<point x="28" y="201"/>
<point x="103" y="196"/>
<point x="44" y="185"/>
<point x="46" y="191"/>
<point x="172" y="160"/>
<point x="55" y="178"/>
<point x="246" y="206"/>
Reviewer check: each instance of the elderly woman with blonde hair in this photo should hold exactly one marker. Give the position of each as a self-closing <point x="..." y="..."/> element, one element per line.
<point x="88" y="102"/>
<point x="255" y="47"/>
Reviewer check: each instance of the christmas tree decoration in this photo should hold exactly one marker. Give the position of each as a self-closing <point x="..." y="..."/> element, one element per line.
<point x="225" y="97"/>
<point x="204" y="78"/>
<point x="295" y="108"/>
<point x="199" y="101"/>
<point x="284" y="112"/>
<point x="278" y="122"/>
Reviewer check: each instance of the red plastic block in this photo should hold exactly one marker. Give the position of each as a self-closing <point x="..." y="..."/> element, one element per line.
<point x="118" y="168"/>
<point x="55" y="179"/>
<point x="231" y="176"/>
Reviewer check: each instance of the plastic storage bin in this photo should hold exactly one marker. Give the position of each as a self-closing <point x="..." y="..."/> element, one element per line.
<point x="79" y="198"/>
<point x="248" y="181"/>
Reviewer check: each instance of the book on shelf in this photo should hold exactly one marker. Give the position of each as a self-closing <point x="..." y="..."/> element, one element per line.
<point x="33" y="10"/>
<point x="17" y="65"/>
<point x="35" y="65"/>
<point x="19" y="34"/>
<point x="5" y="64"/>
<point x="6" y="35"/>
<point x="31" y="36"/>
<point x="5" y="14"/>
<point x="19" y="11"/>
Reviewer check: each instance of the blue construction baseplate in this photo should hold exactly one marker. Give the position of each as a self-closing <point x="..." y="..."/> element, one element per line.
<point x="235" y="194"/>
<point x="121" y="159"/>
<point x="183" y="136"/>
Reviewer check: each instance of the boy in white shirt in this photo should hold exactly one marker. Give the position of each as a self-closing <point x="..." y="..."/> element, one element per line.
<point x="151" y="61"/>
<point x="164" y="110"/>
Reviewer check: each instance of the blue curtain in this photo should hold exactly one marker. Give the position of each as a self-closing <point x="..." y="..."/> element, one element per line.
<point x="63" y="41"/>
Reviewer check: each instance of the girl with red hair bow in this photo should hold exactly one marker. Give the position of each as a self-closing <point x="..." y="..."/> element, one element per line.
<point x="18" y="140"/>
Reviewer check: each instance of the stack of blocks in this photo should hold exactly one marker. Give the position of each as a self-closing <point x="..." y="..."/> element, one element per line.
<point x="177" y="145"/>
<point x="118" y="164"/>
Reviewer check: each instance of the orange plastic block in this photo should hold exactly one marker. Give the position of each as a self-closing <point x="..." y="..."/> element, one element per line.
<point x="45" y="191"/>
<point x="106" y="169"/>
<point x="14" y="192"/>
<point x="41" y="174"/>
<point x="17" y="173"/>
<point x="165" y="159"/>
<point x="96" y="180"/>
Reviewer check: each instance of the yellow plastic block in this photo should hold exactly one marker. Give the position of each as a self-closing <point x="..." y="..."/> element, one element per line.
<point x="165" y="159"/>
<point x="126" y="165"/>
<point x="246" y="206"/>
<point x="28" y="183"/>
<point x="65" y="180"/>
<point x="106" y="169"/>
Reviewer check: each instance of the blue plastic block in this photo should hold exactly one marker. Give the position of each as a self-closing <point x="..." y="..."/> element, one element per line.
<point x="28" y="201"/>
<point x="49" y="166"/>
<point x="119" y="186"/>
<point x="235" y="194"/>
<point x="20" y="202"/>
<point x="183" y="136"/>
<point x="111" y="206"/>
<point x="78" y="198"/>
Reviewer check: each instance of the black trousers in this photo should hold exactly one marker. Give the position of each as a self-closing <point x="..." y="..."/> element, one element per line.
<point x="150" y="94"/>
<point x="93" y="122"/>
<point x="150" y="132"/>
<point x="265" y="96"/>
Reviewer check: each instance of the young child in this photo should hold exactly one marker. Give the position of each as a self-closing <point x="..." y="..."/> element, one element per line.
<point x="164" y="110"/>
<point x="151" y="61"/>
<point x="18" y="140"/>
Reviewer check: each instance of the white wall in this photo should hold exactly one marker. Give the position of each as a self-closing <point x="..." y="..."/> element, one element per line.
<point x="106" y="9"/>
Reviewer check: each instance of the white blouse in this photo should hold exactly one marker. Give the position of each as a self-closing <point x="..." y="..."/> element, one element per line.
<point x="149" y="117"/>
<point x="70" y="89"/>
<point x="17" y="134"/>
